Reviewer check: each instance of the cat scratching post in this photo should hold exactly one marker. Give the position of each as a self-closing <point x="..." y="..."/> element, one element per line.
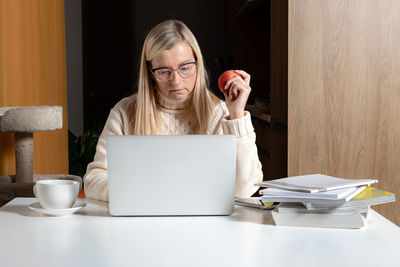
<point x="24" y="121"/>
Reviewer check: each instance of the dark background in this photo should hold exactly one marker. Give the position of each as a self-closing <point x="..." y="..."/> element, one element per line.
<point x="113" y="36"/>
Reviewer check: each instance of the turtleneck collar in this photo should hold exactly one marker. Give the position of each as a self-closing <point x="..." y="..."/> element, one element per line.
<point x="173" y="106"/>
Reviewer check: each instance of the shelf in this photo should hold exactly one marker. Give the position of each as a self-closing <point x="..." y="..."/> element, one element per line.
<point x="259" y="113"/>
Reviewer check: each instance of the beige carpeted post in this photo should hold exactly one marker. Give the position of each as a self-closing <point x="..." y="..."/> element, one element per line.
<point x="23" y="157"/>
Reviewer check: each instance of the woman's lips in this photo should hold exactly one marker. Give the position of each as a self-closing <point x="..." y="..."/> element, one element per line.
<point x="177" y="91"/>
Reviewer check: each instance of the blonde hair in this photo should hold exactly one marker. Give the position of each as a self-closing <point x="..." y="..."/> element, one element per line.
<point x="163" y="37"/>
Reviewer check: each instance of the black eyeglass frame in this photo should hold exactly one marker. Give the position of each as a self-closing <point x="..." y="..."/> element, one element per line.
<point x="172" y="70"/>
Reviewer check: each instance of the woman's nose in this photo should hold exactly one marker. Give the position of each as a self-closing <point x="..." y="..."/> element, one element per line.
<point x="176" y="78"/>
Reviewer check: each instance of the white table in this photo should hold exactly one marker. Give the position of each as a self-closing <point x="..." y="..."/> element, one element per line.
<point x="92" y="238"/>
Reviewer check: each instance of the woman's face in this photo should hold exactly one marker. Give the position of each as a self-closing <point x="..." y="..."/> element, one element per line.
<point x="177" y="88"/>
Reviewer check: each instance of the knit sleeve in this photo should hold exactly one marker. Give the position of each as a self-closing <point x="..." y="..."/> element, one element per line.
<point x="96" y="179"/>
<point x="248" y="166"/>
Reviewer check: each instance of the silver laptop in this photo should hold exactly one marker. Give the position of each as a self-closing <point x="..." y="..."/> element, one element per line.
<point x="171" y="175"/>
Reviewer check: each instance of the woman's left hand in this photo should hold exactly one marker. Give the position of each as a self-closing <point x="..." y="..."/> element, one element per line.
<point x="237" y="92"/>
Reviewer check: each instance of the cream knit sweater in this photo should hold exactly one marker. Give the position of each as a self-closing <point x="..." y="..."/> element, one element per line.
<point x="176" y="119"/>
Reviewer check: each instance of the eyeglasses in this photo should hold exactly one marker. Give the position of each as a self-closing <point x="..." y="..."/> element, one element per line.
<point x="164" y="74"/>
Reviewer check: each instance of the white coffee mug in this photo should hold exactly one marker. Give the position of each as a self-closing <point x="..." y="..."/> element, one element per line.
<point x="56" y="194"/>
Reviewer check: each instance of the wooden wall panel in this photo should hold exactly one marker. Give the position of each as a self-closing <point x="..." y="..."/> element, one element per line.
<point x="33" y="72"/>
<point x="344" y="91"/>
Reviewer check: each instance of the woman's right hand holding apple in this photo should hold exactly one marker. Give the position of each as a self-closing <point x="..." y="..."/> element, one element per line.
<point x="236" y="87"/>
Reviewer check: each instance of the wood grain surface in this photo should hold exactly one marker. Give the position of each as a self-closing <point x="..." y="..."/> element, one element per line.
<point x="33" y="72"/>
<point x="344" y="91"/>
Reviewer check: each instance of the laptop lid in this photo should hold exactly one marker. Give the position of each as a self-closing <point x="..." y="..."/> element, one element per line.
<point x="171" y="174"/>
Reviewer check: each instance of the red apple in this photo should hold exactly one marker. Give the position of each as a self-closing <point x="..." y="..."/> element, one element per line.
<point x="224" y="78"/>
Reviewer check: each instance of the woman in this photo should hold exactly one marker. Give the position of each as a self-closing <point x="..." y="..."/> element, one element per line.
<point x="173" y="98"/>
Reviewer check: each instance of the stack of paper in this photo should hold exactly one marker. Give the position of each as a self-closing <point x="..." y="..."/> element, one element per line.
<point x="322" y="201"/>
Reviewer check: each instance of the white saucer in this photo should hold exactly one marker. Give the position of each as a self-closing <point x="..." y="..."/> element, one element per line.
<point x="57" y="212"/>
